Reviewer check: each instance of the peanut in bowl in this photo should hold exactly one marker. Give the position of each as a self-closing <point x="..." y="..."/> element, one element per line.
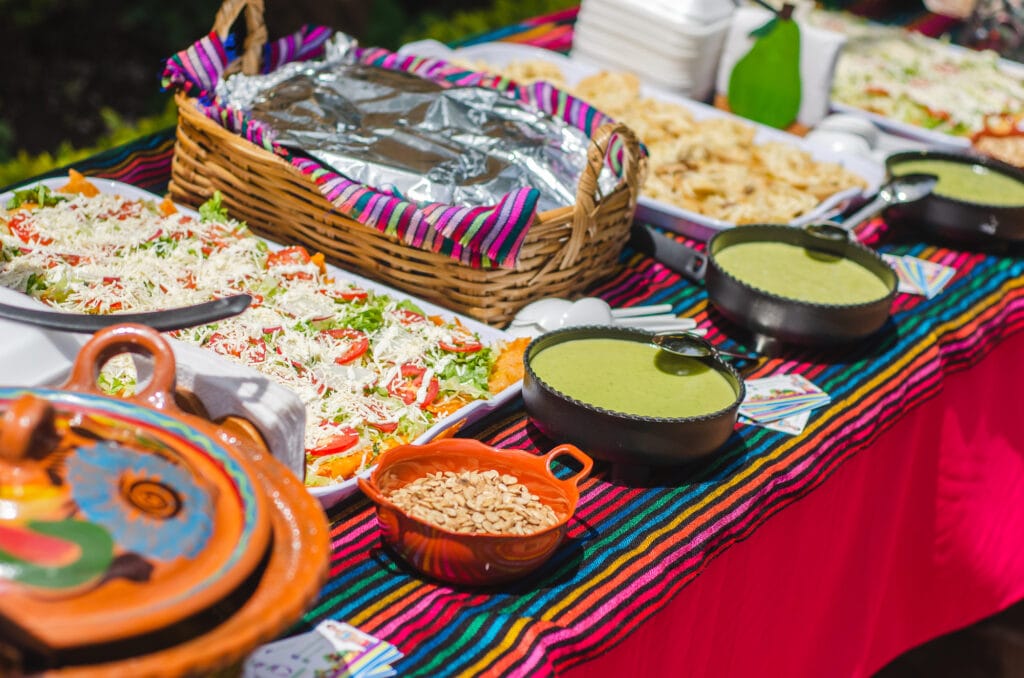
<point x="465" y="513"/>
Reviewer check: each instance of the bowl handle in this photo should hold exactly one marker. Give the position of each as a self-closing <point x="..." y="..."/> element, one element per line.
<point x="576" y="454"/>
<point x="369" y="488"/>
<point x="115" y="340"/>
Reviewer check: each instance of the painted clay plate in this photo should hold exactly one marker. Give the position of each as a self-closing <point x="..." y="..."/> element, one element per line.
<point x="138" y="521"/>
<point x="295" y="569"/>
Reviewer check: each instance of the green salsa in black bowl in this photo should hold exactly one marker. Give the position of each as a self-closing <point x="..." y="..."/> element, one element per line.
<point x="977" y="200"/>
<point x="618" y="397"/>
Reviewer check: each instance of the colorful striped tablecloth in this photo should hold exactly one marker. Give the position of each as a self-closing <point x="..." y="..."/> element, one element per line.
<point x="632" y="548"/>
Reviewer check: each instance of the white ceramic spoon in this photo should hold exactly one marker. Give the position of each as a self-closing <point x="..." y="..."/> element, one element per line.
<point x="594" y="311"/>
<point x="537" y="312"/>
<point x="548" y="312"/>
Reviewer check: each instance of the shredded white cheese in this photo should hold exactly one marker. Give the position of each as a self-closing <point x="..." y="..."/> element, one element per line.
<point x="106" y="254"/>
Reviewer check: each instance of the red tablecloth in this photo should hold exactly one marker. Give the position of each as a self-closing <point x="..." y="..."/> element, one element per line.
<point x="919" y="534"/>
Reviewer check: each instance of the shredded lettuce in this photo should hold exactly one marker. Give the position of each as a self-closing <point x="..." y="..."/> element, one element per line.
<point x="213" y="209"/>
<point x="39" y="195"/>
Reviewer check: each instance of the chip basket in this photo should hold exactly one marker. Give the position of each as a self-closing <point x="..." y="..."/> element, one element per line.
<point x="565" y="250"/>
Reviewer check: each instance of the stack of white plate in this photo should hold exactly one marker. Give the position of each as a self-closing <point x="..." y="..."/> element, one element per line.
<point x="674" y="44"/>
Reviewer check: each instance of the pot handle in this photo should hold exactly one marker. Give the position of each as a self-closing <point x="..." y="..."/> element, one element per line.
<point x="128" y="338"/>
<point x="681" y="258"/>
<point x="828" y="231"/>
<point x="576" y="454"/>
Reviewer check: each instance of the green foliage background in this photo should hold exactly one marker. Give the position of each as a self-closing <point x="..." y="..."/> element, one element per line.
<point x="82" y="75"/>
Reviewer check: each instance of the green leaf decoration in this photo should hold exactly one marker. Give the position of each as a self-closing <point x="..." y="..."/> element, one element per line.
<point x="764" y="85"/>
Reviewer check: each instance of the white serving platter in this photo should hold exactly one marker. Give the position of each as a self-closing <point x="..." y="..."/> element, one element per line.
<point x="658" y="212"/>
<point x="915" y="133"/>
<point x="30" y="346"/>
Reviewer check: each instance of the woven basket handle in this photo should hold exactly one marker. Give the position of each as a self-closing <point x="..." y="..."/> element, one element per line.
<point x="255" y="29"/>
<point x="587" y="190"/>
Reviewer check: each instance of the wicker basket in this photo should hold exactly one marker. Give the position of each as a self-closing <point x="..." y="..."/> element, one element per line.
<point x="564" y="251"/>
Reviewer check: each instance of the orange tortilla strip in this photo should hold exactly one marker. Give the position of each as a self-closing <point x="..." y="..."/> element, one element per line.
<point x="77" y="183"/>
<point x="508" y="368"/>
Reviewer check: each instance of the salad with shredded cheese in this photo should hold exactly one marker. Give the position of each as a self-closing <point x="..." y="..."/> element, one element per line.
<point x="372" y="371"/>
<point x="918" y="80"/>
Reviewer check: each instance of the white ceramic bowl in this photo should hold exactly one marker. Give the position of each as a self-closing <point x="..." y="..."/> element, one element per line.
<point x="840" y="142"/>
<point x="850" y="124"/>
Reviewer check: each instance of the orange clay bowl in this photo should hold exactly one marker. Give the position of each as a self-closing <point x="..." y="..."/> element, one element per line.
<point x="472" y="559"/>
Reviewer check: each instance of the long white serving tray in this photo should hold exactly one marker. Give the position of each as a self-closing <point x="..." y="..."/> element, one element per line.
<point x="44" y="357"/>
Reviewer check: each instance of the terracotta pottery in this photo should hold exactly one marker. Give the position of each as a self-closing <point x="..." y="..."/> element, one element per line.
<point x="130" y="529"/>
<point x="472" y="558"/>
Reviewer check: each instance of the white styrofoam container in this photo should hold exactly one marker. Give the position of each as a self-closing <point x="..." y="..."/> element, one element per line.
<point x="686" y="64"/>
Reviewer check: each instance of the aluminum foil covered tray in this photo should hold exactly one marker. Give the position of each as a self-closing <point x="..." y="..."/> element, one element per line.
<point x="421" y="140"/>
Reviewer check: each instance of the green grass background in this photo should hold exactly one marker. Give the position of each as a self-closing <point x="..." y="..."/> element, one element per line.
<point x="80" y="80"/>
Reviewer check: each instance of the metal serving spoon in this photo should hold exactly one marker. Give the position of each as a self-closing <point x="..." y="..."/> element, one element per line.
<point x="690" y="346"/>
<point x="899" y="190"/>
<point x="164" y="321"/>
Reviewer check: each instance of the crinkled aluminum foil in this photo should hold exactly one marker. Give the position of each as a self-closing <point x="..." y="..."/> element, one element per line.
<point x="398" y="132"/>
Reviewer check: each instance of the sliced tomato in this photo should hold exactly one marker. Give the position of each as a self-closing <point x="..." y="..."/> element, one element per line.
<point x="407" y="383"/>
<point x="221" y="344"/>
<point x="344" y="438"/>
<point x="357" y="340"/>
<point x="407" y="317"/>
<point x="100" y="306"/>
<point x="380" y="418"/>
<point x="461" y="341"/>
<point x="289" y="256"/>
<point x="125" y="209"/>
<point x="257" y="351"/>
<point x="348" y="294"/>
<point x="211" y="245"/>
<point x="184" y="233"/>
<point x="24" y="232"/>
<point x="251" y="349"/>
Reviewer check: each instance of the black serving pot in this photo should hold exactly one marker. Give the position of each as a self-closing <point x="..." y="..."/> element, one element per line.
<point x="770" y="318"/>
<point x="957" y="220"/>
<point x="625" y="438"/>
<point x="789" y="320"/>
